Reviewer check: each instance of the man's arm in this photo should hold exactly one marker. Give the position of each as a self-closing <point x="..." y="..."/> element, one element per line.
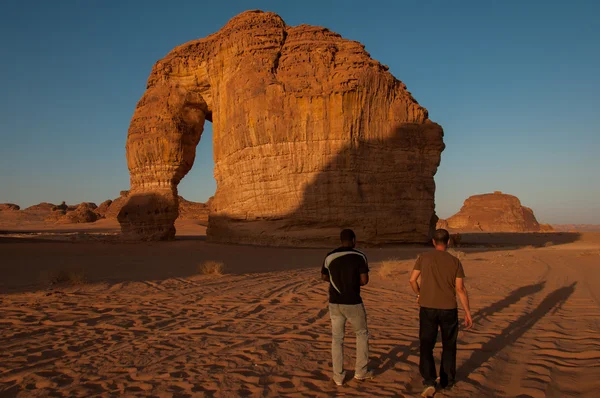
<point x="363" y="271"/>
<point x="324" y="273"/>
<point x="364" y="279"/>
<point x="463" y="296"/>
<point x="414" y="282"/>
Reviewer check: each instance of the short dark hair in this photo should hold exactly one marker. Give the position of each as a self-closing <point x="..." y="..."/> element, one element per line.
<point x="347" y="236"/>
<point x="441" y="236"/>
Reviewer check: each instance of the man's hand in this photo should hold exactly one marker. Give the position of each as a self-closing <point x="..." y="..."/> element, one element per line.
<point x="468" y="321"/>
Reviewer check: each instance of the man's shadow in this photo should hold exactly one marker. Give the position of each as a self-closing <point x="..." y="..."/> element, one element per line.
<point x="515" y="330"/>
<point x="401" y="353"/>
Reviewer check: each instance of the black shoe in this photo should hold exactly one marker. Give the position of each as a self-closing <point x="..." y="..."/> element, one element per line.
<point x="448" y="386"/>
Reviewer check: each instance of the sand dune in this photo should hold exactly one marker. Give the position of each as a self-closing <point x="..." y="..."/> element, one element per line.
<point x="147" y="323"/>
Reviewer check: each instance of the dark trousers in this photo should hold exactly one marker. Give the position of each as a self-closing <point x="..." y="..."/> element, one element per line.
<point x="430" y="319"/>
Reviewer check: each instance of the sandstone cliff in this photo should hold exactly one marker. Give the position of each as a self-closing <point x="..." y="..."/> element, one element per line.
<point x="310" y="135"/>
<point x="9" y="207"/>
<point x="495" y="212"/>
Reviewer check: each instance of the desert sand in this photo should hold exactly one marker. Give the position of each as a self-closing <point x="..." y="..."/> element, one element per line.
<point x="141" y="319"/>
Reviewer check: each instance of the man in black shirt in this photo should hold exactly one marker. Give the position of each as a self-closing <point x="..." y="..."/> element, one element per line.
<point x="346" y="269"/>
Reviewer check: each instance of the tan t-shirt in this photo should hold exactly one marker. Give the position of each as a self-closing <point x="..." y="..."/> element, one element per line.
<point x="439" y="271"/>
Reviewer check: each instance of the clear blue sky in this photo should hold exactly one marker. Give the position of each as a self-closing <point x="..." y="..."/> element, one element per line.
<point x="515" y="84"/>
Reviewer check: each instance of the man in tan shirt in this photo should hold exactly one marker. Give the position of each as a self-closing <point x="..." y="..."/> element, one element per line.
<point x="442" y="279"/>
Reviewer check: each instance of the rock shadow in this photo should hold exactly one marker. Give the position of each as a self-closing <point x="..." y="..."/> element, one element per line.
<point x="383" y="189"/>
<point x="517" y="239"/>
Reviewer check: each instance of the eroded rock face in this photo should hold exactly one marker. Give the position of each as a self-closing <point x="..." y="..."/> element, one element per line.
<point x="77" y="214"/>
<point x="311" y="135"/>
<point x="9" y="207"/>
<point x="495" y="212"/>
<point x="41" y="207"/>
<point x="116" y="205"/>
<point x="442" y="224"/>
<point x="103" y="208"/>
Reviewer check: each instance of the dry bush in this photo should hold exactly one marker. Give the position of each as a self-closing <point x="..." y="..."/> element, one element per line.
<point x="212" y="268"/>
<point x="67" y="277"/>
<point x="529" y="247"/>
<point x="458" y="254"/>
<point x="548" y="244"/>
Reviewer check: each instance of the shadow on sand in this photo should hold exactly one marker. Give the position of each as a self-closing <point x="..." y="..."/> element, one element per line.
<point x="517" y="239"/>
<point x="552" y="302"/>
<point x="401" y="353"/>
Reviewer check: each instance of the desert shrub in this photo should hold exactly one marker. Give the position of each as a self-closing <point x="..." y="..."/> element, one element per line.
<point x="67" y="277"/>
<point x="458" y="254"/>
<point x="212" y="268"/>
<point x="548" y="244"/>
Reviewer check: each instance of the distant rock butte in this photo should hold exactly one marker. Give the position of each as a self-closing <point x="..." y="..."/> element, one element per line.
<point x="311" y="135"/>
<point x="577" y="227"/>
<point x="81" y="213"/>
<point x="103" y="208"/>
<point x="41" y="207"/>
<point x="194" y="210"/>
<point x="494" y="212"/>
<point x="9" y="207"/>
<point x="112" y="211"/>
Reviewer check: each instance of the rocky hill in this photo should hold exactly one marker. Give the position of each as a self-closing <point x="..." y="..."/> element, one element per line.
<point x="494" y="212"/>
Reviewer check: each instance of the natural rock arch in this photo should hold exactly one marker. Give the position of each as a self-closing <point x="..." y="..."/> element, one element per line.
<point x="310" y="135"/>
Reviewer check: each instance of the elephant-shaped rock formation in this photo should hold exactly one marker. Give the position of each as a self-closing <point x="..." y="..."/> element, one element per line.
<point x="310" y="135"/>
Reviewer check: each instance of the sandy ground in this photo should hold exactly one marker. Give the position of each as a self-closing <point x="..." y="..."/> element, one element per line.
<point x="147" y="323"/>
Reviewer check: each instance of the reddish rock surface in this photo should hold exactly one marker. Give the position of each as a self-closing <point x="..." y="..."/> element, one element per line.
<point x="116" y="205"/>
<point x="75" y="214"/>
<point x="82" y="214"/>
<point x="495" y="212"/>
<point x="42" y="207"/>
<point x="442" y="224"/>
<point x="103" y="208"/>
<point x="9" y="207"/>
<point x="194" y="210"/>
<point x="310" y="135"/>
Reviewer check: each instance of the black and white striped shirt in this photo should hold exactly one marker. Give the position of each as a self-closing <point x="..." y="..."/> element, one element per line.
<point x="343" y="266"/>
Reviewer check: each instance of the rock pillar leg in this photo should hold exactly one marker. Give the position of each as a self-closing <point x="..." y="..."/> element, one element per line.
<point x="161" y="147"/>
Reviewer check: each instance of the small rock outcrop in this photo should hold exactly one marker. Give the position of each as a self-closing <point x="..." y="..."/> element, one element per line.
<point x="103" y="208"/>
<point x="9" y="207"/>
<point x="495" y="212"/>
<point x="41" y="207"/>
<point x="310" y="133"/>
<point x="83" y="214"/>
<point x="116" y="205"/>
<point x="194" y="210"/>
<point x="62" y="207"/>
